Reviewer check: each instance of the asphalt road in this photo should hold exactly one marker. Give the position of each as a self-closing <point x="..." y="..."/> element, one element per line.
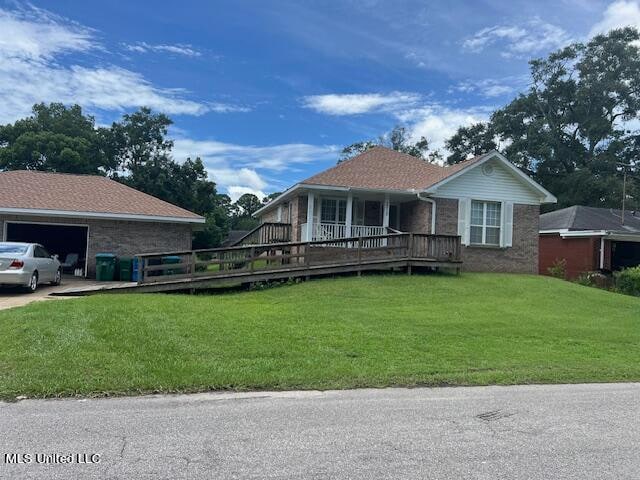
<point x="528" y="432"/>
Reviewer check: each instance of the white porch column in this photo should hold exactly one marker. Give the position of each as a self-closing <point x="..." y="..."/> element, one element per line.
<point x="385" y="211"/>
<point x="349" y="218"/>
<point x="279" y="214"/>
<point x="310" y="208"/>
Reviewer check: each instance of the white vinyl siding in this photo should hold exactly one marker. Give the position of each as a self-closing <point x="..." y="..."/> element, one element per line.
<point x="500" y="185"/>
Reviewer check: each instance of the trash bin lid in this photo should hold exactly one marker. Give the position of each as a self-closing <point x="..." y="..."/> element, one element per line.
<point x="105" y="255"/>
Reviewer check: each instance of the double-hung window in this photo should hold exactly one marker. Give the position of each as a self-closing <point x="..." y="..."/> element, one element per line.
<point x="485" y="223"/>
<point x="333" y="210"/>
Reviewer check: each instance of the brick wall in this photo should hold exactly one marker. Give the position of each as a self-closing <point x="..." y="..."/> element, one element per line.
<point x="522" y="257"/>
<point x="415" y="217"/>
<point x="298" y="217"/>
<point x="124" y="238"/>
<point x="272" y="215"/>
<point x="581" y="254"/>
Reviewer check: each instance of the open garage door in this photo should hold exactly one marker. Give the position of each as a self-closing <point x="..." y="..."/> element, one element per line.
<point x="624" y="254"/>
<point x="66" y="241"/>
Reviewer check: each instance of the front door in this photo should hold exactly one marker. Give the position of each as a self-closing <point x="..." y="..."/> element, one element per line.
<point x="394" y="219"/>
<point x="372" y="213"/>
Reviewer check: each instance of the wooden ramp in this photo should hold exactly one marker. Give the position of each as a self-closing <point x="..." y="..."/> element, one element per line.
<point x="201" y="269"/>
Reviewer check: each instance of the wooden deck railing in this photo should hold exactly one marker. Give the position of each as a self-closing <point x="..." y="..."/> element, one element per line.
<point x="354" y="251"/>
<point x="269" y="232"/>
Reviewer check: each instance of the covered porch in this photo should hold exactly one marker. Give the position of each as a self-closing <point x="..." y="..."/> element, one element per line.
<point x="332" y="214"/>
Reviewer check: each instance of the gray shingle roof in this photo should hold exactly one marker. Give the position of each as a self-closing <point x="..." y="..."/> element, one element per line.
<point x="591" y="218"/>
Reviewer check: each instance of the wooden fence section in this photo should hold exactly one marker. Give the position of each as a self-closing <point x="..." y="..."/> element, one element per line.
<point x="267" y="233"/>
<point x="301" y="258"/>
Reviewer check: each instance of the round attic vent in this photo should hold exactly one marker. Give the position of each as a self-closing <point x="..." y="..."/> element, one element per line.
<point x="487" y="169"/>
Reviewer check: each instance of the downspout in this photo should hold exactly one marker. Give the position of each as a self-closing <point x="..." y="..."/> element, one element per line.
<point x="433" y="211"/>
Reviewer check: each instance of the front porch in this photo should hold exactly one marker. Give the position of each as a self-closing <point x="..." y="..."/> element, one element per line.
<point x="338" y="214"/>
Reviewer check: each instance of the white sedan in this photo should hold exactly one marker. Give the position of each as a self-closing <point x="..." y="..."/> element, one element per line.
<point x="27" y="265"/>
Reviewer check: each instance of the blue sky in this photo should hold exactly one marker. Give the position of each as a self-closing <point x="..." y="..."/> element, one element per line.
<point x="267" y="92"/>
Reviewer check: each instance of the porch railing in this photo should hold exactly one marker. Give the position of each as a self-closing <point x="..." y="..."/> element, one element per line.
<point x="331" y="231"/>
<point x="268" y="232"/>
<point x="296" y="256"/>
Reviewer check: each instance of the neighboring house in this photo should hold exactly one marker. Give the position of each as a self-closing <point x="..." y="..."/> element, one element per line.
<point x="88" y="214"/>
<point x="486" y="200"/>
<point x="589" y="239"/>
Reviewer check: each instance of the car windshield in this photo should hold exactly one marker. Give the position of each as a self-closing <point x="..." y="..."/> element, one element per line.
<point x="13" y="249"/>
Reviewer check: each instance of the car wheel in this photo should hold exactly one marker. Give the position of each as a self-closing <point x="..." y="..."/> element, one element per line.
<point x="58" y="278"/>
<point x="33" y="283"/>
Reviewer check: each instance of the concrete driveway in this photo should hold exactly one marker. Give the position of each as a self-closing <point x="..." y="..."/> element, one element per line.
<point x="17" y="297"/>
<point x="524" y="432"/>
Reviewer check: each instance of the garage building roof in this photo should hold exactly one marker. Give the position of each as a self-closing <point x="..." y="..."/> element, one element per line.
<point x="61" y="194"/>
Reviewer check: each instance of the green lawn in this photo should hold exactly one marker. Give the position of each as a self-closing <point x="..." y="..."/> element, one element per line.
<point x="335" y="333"/>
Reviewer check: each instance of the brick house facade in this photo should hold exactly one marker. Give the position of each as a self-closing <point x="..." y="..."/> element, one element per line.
<point x="488" y="202"/>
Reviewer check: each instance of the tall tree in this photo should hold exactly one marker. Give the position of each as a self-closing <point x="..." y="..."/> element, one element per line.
<point x="469" y="141"/>
<point x="248" y="204"/>
<point x="398" y="140"/>
<point x="570" y="130"/>
<point x="141" y="137"/>
<point x="56" y="138"/>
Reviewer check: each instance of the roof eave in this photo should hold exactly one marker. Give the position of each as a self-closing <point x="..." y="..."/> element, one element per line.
<point x="101" y="215"/>
<point x="545" y="195"/>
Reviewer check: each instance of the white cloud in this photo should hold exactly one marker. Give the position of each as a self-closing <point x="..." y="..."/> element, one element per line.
<point x="177" y="49"/>
<point x="438" y="123"/>
<point x="239" y="169"/>
<point x="32" y="41"/>
<point x="275" y="157"/>
<point x="519" y="40"/>
<point x="489" y="87"/>
<point x="243" y="176"/>
<point x="490" y="35"/>
<point x="33" y="33"/>
<point x="617" y="15"/>
<point x="236" y="191"/>
<point x="357" y="103"/>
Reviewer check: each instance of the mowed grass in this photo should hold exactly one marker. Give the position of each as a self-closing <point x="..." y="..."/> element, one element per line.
<point x="373" y="331"/>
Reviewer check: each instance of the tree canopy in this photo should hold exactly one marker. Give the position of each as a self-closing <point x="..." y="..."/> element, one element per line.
<point x="134" y="151"/>
<point x="398" y="140"/>
<point x="56" y="138"/>
<point x="573" y="128"/>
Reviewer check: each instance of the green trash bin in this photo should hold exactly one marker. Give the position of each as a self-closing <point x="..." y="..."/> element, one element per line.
<point x="105" y="267"/>
<point x="169" y="260"/>
<point x="125" y="268"/>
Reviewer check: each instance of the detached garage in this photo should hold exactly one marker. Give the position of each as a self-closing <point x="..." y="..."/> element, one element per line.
<point x="77" y="216"/>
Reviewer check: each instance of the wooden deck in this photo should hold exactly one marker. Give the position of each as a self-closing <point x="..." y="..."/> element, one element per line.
<point x="199" y="269"/>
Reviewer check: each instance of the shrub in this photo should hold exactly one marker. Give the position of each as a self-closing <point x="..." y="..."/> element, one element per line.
<point x="595" y="279"/>
<point x="628" y="281"/>
<point x="558" y="269"/>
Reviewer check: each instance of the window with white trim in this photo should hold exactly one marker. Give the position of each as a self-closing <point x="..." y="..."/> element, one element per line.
<point x="485" y="223"/>
<point x="333" y="210"/>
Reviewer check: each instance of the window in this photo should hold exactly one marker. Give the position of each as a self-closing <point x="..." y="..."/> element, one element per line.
<point x="333" y="210"/>
<point x="40" y="252"/>
<point x="485" y="223"/>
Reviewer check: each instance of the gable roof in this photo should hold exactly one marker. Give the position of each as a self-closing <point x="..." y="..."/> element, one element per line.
<point x="579" y="218"/>
<point x="381" y="168"/>
<point x="34" y="192"/>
